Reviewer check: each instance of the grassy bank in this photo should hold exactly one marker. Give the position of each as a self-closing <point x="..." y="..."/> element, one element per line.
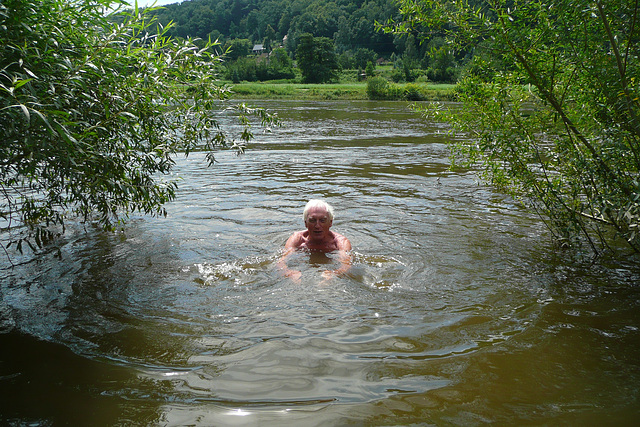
<point x="353" y="91"/>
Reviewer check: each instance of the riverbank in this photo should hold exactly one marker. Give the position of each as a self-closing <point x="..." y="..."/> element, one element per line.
<point x="331" y="91"/>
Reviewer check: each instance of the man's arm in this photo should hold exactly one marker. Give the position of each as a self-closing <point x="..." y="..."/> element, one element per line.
<point x="295" y="241"/>
<point x="344" y="255"/>
<point x="290" y="247"/>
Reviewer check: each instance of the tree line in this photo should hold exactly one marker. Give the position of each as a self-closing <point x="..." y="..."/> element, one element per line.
<point x="349" y="22"/>
<point x="350" y="25"/>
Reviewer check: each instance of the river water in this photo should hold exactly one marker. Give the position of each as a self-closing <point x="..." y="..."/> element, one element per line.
<point x="458" y="310"/>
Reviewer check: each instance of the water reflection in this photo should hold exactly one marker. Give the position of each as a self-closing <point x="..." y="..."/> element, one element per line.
<point x="457" y="311"/>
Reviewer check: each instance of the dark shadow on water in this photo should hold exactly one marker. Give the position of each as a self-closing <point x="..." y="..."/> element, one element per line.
<point x="43" y="383"/>
<point x="319" y="258"/>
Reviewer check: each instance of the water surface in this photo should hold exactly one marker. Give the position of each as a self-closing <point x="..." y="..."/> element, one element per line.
<point x="458" y="311"/>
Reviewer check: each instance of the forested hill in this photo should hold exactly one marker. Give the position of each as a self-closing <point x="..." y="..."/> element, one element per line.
<point x="349" y="22"/>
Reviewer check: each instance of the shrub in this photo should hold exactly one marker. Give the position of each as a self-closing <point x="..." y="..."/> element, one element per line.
<point x="377" y="88"/>
<point x="412" y="92"/>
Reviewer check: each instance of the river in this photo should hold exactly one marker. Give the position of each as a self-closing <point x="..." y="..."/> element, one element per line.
<point x="459" y="310"/>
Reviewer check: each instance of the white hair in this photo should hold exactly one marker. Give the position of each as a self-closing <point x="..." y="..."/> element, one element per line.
<point x="316" y="203"/>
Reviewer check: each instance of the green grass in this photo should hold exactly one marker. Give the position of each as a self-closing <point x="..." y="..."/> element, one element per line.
<point x="300" y="90"/>
<point x="349" y="90"/>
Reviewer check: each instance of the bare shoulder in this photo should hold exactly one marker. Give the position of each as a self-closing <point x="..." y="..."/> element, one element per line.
<point x="342" y="242"/>
<point x="296" y="240"/>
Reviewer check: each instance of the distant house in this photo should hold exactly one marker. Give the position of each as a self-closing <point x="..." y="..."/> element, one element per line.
<point x="258" y="49"/>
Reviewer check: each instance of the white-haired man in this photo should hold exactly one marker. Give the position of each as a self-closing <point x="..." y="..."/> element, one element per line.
<point x="318" y="219"/>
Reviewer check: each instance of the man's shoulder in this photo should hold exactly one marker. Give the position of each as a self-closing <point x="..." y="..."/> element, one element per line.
<point x="296" y="239"/>
<point x="342" y="242"/>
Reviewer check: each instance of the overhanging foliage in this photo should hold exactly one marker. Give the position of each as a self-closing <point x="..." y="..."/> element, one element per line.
<point x="92" y="109"/>
<point x="552" y="104"/>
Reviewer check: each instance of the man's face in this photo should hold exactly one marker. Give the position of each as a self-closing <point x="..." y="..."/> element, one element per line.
<point x="318" y="223"/>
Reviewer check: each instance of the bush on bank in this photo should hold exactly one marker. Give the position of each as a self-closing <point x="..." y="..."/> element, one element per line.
<point x="379" y="88"/>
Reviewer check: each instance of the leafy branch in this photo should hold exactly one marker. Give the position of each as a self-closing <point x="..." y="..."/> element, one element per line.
<point x="96" y="100"/>
<point x="555" y="119"/>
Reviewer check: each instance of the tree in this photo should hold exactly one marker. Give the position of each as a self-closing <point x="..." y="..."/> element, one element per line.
<point x="558" y="125"/>
<point x="316" y="59"/>
<point x="279" y="60"/>
<point x="93" y="109"/>
<point x="237" y="48"/>
<point x="411" y="50"/>
<point x="363" y="56"/>
<point x="440" y="61"/>
<point x="269" y="38"/>
<point x="242" y="69"/>
<point x="370" y="69"/>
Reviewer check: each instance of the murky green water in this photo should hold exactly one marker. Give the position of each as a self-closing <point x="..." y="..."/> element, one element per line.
<point x="458" y="311"/>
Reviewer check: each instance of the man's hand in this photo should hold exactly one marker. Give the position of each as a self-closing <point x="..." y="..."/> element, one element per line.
<point x="328" y="274"/>
<point x="294" y="275"/>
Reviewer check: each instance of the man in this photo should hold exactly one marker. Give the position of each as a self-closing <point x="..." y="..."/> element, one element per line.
<point x="318" y="219"/>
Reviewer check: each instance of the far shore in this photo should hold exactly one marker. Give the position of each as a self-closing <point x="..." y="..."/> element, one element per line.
<point x="328" y="91"/>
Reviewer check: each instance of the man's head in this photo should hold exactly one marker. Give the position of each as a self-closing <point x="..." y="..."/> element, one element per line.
<point x="315" y="204"/>
<point x="318" y="218"/>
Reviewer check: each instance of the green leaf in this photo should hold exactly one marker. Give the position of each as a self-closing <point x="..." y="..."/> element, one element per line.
<point x="19" y="83"/>
<point x="25" y="111"/>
